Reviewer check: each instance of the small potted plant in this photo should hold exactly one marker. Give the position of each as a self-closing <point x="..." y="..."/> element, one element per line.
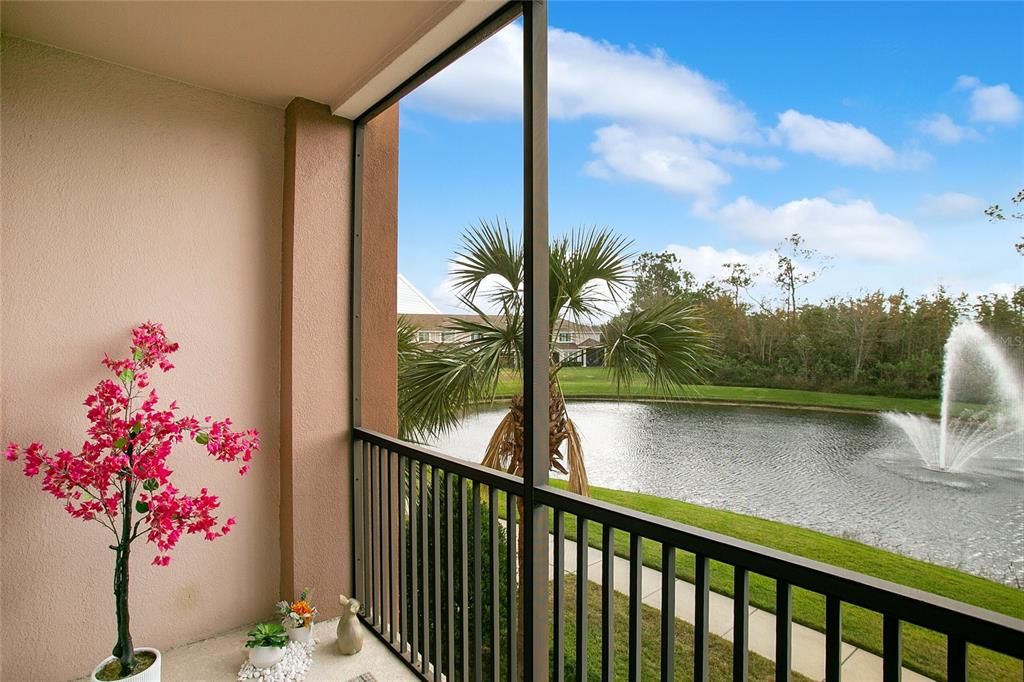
<point x="297" y="617"/>
<point x="266" y="644"/>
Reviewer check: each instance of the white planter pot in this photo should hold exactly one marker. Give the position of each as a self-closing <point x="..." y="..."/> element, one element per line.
<point x="301" y="635"/>
<point x="266" y="656"/>
<point x="150" y="674"/>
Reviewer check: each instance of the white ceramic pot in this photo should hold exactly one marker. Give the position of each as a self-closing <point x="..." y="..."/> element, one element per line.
<point x="266" y="656"/>
<point x="301" y="635"/>
<point x="150" y="674"/>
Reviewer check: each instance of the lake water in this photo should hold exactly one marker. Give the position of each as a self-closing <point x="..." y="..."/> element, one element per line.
<point x="849" y="475"/>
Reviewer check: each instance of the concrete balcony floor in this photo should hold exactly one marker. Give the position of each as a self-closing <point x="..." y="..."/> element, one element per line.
<point x="218" y="659"/>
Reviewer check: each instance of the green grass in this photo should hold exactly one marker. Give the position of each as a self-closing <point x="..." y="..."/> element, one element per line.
<point x="719" y="650"/>
<point x="924" y="650"/>
<point x="595" y="382"/>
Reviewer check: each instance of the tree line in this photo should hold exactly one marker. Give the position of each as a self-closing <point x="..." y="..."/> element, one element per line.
<point x="878" y="342"/>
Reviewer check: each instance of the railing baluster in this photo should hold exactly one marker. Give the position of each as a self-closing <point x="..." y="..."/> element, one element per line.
<point x="381" y="589"/>
<point x="375" y="538"/>
<point x="956" y="659"/>
<point x="403" y="561"/>
<point x="392" y="592"/>
<point x="783" y="631"/>
<point x="478" y="599"/>
<point x="668" y="612"/>
<point x="607" y="602"/>
<point x="740" y="618"/>
<point x="892" y="649"/>
<point x="449" y="619"/>
<point x="425" y="573"/>
<point x="833" y="638"/>
<point x="702" y="601"/>
<point x="464" y="576"/>
<point x="360" y="519"/>
<point x="513" y="603"/>
<point x="492" y="509"/>
<point x="635" y="564"/>
<point x="582" y="592"/>
<point x="558" y="595"/>
<point x="368" y="549"/>
<point x="439" y="632"/>
<point x="414" y="561"/>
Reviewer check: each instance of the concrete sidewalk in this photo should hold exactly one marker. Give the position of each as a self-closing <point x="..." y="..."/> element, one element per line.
<point x="808" y="645"/>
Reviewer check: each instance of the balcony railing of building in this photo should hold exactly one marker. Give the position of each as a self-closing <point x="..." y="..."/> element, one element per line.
<point x="437" y="565"/>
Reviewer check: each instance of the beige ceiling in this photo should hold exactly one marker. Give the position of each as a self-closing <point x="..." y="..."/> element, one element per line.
<point x="344" y="54"/>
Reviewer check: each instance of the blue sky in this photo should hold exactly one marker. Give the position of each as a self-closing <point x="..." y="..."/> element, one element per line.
<point x="878" y="131"/>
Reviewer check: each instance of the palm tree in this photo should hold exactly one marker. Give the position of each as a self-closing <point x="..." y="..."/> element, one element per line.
<point x="664" y="343"/>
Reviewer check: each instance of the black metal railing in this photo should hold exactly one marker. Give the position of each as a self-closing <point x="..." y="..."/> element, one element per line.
<point x="437" y="568"/>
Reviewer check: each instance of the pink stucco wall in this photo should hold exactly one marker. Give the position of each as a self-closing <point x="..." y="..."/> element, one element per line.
<point x="128" y="197"/>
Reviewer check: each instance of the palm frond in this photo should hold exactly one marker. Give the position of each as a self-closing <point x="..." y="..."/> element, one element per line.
<point x="582" y="263"/>
<point x="496" y="341"/>
<point x="666" y="344"/>
<point x="489" y="251"/>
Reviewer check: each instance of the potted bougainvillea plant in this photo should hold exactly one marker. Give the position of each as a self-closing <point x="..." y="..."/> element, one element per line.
<point x="121" y="479"/>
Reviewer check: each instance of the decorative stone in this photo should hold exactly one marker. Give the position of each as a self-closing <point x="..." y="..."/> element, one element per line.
<point x="350" y="630"/>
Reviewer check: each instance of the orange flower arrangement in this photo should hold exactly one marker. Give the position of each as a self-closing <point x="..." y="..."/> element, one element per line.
<point x="299" y="613"/>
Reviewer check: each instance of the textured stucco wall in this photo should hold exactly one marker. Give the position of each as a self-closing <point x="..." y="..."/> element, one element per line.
<point x="126" y="197"/>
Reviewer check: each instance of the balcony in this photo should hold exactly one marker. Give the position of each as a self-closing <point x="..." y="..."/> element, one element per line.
<point x="250" y="175"/>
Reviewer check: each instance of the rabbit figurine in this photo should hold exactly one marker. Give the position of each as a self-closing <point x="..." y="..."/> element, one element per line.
<point x="350" y="630"/>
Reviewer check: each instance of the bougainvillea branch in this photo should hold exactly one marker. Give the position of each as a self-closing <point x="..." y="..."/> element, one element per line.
<point x="121" y="472"/>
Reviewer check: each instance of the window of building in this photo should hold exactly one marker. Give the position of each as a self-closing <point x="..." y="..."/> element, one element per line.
<point x="423" y="337"/>
<point x="564" y="337"/>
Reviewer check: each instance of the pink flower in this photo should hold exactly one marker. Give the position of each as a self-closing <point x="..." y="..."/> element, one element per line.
<point x="129" y="440"/>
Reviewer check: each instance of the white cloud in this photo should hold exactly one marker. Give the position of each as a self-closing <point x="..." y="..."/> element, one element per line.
<point x="950" y="205"/>
<point x="844" y="143"/>
<point x="853" y="229"/>
<point x="588" y="78"/>
<point x="445" y="296"/>
<point x="943" y="129"/>
<point x="673" y="163"/>
<point x="991" y="103"/>
<point x="707" y="262"/>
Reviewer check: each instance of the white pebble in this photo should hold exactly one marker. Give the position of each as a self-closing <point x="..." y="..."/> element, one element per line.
<point x="298" y="658"/>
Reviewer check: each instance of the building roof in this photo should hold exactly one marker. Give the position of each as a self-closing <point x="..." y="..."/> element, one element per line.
<point x="442" y="321"/>
<point x="411" y="300"/>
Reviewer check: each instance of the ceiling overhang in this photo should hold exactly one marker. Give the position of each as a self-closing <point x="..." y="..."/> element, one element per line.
<point x="347" y="55"/>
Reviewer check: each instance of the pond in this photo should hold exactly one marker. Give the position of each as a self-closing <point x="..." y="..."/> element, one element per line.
<point x="849" y="475"/>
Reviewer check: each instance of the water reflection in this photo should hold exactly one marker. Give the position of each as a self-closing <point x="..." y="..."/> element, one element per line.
<point x="849" y="475"/>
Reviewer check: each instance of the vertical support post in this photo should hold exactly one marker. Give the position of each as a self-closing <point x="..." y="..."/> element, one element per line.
<point x="358" y="133"/>
<point x="537" y="338"/>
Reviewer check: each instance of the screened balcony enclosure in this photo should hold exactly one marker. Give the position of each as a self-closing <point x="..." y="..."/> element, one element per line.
<point x="471" y="573"/>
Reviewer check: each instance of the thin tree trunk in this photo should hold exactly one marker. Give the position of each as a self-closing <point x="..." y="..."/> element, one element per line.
<point x="124" y="650"/>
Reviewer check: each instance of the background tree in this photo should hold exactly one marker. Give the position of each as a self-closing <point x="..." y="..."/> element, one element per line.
<point x="995" y="214"/>
<point x="796" y="267"/>
<point x="656" y="276"/>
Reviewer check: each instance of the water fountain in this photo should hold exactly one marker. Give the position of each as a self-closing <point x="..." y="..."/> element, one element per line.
<point x="982" y="404"/>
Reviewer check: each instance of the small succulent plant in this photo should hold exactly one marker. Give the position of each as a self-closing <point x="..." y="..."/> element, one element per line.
<point x="267" y="634"/>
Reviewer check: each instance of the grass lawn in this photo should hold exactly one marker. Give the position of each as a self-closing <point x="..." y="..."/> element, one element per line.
<point x="719" y="650"/>
<point x="595" y="382"/>
<point x="923" y="650"/>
